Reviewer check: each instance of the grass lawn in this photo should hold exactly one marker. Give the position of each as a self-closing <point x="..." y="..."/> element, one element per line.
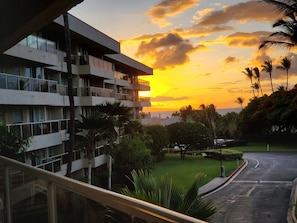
<point x="262" y="147"/>
<point x="184" y="171"/>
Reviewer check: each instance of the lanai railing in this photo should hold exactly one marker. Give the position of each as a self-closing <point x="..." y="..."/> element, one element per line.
<point x="29" y="194"/>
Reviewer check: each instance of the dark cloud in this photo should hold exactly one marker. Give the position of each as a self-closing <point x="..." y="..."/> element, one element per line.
<point x="169" y="8"/>
<point x="168" y="98"/>
<point x="242" y="12"/>
<point x="230" y="59"/>
<point x="169" y="51"/>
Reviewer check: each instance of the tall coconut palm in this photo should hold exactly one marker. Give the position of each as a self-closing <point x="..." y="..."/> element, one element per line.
<point x="267" y="67"/>
<point x="285" y="65"/>
<point x="240" y="101"/>
<point x="71" y="125"/>
<point x="286" y="37"/>
<point x="257" y="76"/>
<point x="249" y="73"/>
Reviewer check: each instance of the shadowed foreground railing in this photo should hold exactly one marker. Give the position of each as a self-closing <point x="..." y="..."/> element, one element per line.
<point x="29" y="193"/>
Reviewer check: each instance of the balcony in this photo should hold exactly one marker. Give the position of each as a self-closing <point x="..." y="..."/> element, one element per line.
<point x="30" y="193"/>
<point x="141" y="85"/>
<point x="40" y="128"/>
<point x="96" y="67"/>
<point x="14" y="82"/>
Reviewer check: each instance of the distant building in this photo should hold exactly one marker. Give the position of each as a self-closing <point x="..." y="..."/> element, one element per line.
<point x="33" y="88"/>
<point x="160" y="121"/>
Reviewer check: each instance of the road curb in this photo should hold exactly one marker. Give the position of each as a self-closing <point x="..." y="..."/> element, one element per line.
<point x="228" y="179"/>
<point x="291" y="218"/>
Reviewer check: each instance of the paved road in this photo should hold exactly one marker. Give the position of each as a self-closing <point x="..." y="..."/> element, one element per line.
<point x="260" y="193"/>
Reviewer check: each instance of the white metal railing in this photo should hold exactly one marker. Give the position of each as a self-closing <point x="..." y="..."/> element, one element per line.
<point x="29" y="191"/>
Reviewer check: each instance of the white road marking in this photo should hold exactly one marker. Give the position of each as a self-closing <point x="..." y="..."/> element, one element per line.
<point x="263" y="181"/>
<point x="257" y="162"/>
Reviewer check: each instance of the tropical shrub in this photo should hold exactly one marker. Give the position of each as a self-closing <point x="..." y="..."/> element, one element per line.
<point x="164" y="193"/>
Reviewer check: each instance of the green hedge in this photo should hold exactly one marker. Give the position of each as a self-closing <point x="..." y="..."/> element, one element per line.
<point x="224" y="154"/>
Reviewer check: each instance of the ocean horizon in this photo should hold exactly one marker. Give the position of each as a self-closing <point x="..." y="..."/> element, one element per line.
<point x="167" y="114"/>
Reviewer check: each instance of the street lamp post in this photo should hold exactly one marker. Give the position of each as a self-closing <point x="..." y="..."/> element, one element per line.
<point x="222" y="168"/>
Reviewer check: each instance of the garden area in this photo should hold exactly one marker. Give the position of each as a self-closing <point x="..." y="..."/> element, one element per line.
<point x="183" y="171"/>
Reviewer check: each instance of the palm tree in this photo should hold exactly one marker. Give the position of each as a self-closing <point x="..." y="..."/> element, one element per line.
<point x="257" y="87"/>
<point x="249" y="73"/>
<point x="71" y="125"/>
<point x="91" y="130"/>
<point x="120" y="116"/>
<point x="257" y="76"/>
<point x="285" y="65"/>
<point x="267" y="67"/>
<point x="164" y="193"/>
<point x="287" y="36"/>
<point x="240" y="101"/>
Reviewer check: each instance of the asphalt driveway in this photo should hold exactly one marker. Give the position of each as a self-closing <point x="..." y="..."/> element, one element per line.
<point x="260" y="193"/>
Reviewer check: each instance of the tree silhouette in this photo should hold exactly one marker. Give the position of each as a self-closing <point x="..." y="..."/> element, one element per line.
<point x="286" y="37"/>
<point x="285" y="65"/>
<point x="240" y="101"/>
<point x="267" y="67"/>
<point x="249" y="73"/>
<point x="257" y="76"/>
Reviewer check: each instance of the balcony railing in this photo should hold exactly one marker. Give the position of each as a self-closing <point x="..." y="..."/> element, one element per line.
<point x="39" y="43"/>
<point x="54" y="163"/>
<point x="30" y="193"/>
<point x="144" y="99"/>
<point x="96" y="92"/>
<point x="39" y="128"/>
<point x="143" y="82"/>
<point x="124" y="97"/>
<point x="102" y="64"/>
<point x="63" y="90"/>
<point x="14" y="82"/>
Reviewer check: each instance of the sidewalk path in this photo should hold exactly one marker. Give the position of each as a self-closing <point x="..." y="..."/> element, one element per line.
<point x="219" y="182"/>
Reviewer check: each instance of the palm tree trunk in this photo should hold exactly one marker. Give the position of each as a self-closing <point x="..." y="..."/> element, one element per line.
<point x="70" y="94"/>
<point x="253" y="88"/>
<point x="109" y="171"/>
<point x="287" y="80"/>
<point x="260" y="87"/>
<point x="89" y="171"/>
<point x="271" y="83"/>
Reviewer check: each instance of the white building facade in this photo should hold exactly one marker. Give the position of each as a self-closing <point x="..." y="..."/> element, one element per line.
<point x="33" y="88"/>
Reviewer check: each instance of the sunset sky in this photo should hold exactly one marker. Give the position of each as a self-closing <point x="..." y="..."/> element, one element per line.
<point x="197" y="48"/>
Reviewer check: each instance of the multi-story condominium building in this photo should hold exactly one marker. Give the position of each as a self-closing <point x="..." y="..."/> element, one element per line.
<point x="33" y="88"/>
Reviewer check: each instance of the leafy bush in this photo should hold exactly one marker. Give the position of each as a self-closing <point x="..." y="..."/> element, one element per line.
<point x="224" y="154"/>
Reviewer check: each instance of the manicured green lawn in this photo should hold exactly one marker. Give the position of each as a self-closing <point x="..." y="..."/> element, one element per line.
<point x="262" y="147"/>
<point x="184" y="171"/>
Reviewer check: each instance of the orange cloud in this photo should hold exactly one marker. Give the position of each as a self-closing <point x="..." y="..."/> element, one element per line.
<point x="168" y="51"/>
<point x="167" y="8"/>
<point x="242" y="12"/>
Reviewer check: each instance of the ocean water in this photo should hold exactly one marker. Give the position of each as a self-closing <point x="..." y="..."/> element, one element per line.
<point x="169" y="113"/>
